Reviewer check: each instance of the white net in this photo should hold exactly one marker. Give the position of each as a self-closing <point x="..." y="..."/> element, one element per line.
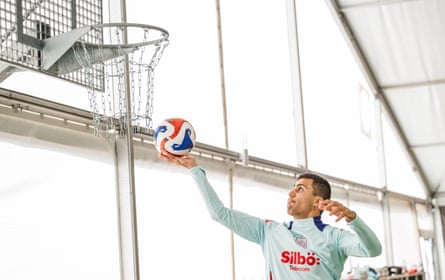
<point x="120" y="74"/>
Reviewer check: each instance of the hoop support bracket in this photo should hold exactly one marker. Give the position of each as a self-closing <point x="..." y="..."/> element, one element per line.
<point x="55" y="47"/>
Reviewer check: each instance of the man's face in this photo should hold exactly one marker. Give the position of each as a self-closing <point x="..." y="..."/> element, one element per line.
<point x="302" y="203"/>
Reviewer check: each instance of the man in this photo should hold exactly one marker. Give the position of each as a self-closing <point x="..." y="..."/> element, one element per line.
<point x="304" y="248"/>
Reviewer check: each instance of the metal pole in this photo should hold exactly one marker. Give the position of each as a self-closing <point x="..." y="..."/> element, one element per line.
<point x="297" y="92"/>
<point x="124" y="170"/>
<point x="226" y="130"/>
<point x="126" y="203"/>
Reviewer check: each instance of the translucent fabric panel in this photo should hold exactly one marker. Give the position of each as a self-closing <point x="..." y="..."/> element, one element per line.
<point x="177" y="237"/>
<point x="400" y="175"/>
<point x="338" y="105"/>
<point x="58" y="216"/>
<point x="187" y="80"/>
<point x="404" y="234"/>
<point x="258" y="79"/>
<point x="263" y="201"/>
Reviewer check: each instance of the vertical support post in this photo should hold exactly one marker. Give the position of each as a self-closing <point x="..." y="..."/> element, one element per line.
<point x="126" y="205"/>
<point x="124" y="168"/>
<point x="387" y="227"/>
<point x="226" y="129"/>
<point x="297" y="93"/>
<point x="380" y="145"/>
<point x="438" y="249"/>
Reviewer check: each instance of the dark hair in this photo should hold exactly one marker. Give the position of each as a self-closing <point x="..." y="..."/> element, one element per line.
<point x="320" y="185"/>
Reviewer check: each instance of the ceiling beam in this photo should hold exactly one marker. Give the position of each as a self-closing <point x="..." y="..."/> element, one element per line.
<point x="363" y="5"/>
<point x="414" y="84"/>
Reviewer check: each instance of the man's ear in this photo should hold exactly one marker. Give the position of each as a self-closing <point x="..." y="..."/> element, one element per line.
<point x="317" y="200"/>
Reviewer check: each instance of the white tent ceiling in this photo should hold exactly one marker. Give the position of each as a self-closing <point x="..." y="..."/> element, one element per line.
<point x="400" y="45"/>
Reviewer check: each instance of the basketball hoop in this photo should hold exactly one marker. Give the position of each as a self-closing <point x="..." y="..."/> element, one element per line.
<point x="117" y="61"/>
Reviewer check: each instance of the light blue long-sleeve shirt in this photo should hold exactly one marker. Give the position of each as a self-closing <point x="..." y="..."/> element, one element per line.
<point x="301" y="249"/>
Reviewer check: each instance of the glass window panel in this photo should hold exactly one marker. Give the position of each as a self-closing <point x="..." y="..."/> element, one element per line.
<point x="339" y="114"/>
<point x="400" y="175"/>
<point x="176" y="232"/>
<point x="57" y="215"/>
<point x="258" y="81"/>
<point x="50" y="88"/>
<point x="187" y="79"/>
<point x="404" y="232"/>
<point x="370" y="211"/>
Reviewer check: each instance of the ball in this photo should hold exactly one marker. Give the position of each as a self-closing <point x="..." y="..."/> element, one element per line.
<point x="174" y="136"/>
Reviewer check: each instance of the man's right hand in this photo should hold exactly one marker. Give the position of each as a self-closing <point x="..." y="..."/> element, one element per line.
<point x="187" y="161"/>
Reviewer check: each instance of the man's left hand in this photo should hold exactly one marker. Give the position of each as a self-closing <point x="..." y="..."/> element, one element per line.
<point x="337" y="209"/>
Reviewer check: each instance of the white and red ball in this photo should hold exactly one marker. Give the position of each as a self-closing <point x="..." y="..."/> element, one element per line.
<point x="174" y="136"/>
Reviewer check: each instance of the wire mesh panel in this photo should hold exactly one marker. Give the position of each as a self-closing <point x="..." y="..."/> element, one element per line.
<point x="68" y="39"/>
<point x="26" y="24"/>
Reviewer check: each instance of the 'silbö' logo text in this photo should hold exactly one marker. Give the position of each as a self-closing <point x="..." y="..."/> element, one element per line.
<point x="293" y="257"/>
